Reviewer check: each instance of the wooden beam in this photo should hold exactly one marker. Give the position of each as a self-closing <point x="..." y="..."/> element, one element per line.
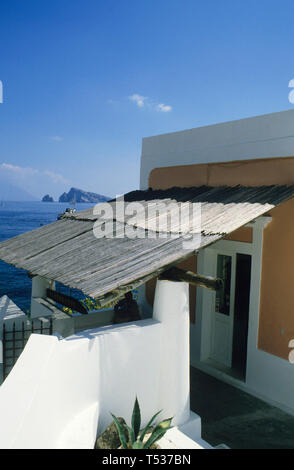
<point x="113" y="296"/>
<point x="177" y="274"/>
<point x="172" y="274"/>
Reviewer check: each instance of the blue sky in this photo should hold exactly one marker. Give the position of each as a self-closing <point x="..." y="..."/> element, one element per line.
<point x="85" y="80"/>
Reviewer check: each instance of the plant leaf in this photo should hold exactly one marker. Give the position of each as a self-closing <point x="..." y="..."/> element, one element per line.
<point x="138" y="445"/>
<point x="131" y="434"/>
<point x="159" y="431"/>
<point x="164" y="424"/>
<point x="120" y="430"/>
<point x="148" y="425"/>
<point x="136" y="418"/>
<point x="155" y="436"/>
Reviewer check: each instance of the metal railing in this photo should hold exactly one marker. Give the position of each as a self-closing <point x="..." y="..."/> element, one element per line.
<point x="15" y="339"/>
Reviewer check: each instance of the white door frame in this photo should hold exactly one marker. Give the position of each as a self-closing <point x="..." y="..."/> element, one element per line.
<point x="225" y="322"/>
<point x="201" y="331"/>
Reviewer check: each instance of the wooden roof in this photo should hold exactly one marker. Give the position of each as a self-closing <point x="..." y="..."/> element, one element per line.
<point x="68" y="252"/>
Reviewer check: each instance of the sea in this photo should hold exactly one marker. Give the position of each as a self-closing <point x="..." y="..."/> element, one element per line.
<point x="17" y="218"/>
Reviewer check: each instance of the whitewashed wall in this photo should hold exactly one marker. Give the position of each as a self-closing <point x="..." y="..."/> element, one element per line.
<point x="266" y="136"/>
<point x="60" y="391"/>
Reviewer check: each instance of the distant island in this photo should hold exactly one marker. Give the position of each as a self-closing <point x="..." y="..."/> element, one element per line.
<point x="78" y="195"/>
<point x="47" y="198"/>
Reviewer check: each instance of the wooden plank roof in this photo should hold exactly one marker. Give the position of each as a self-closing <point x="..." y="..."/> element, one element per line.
<point x="67" y="250"/>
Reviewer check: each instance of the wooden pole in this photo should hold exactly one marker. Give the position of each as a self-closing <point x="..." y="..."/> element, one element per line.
<point x="172" y="274"/>
<point x="177" y="274"/>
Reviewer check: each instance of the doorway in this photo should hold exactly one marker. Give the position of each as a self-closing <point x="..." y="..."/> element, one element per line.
<point x="230" y="313"/>
<point x="241" y="314"/>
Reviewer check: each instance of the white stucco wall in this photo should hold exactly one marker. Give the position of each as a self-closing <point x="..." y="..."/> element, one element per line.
<point x="66" y="384"/>
<point x="171" y="308"/>
<point x="61" y="391"/>
<point x="266" y="136"/>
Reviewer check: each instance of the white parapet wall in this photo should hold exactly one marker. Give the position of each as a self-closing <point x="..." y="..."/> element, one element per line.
<point x="93" y="319"/>
<point x="61" y="391"/>
<point x="171" y="308"/>
<point x="42" y="397"/>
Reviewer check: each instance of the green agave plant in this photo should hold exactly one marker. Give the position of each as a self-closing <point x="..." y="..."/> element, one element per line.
<point x="136" y="437"/>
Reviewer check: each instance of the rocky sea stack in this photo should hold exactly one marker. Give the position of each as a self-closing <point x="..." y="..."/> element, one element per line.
<point x="47" y="198"/>
<point x="78" y="195"/>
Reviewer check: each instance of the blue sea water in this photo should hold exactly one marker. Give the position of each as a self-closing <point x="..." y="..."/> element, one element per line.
<point x="17" y="218"/>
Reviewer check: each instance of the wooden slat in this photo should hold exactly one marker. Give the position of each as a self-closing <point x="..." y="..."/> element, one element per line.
<point x="67" y="250"/>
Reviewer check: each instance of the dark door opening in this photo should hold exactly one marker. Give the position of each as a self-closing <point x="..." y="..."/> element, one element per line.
<point x="241" y="314"/>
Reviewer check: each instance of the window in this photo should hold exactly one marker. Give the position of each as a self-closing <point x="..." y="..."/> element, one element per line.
<point x="222" y="299"/>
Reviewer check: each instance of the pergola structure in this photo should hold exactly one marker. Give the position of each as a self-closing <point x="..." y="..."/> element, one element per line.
<point x="68" y="251"/>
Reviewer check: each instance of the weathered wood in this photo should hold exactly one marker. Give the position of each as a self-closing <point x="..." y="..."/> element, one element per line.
<point x="177" y="274"/>
<point x="67" y="250"/>
<point x="172" y="274"/>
